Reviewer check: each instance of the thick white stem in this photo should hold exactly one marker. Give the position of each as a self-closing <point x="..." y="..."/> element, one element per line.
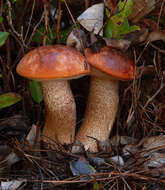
<point x="60" y="108"/>
<point x="100" y="112"/>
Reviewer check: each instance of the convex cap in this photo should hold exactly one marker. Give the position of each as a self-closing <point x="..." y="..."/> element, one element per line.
<point x="52" y="62"/>
<point x="112" y="62"/>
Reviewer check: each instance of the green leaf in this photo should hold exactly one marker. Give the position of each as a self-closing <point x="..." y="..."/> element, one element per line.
<point x="118" y="24"/>
<point x="35" y="91"/>
<point x="91" y="168"/>
<point x="96" y="186"/>
<point x="0" y="75"/>
<point x="133" y="28"/>
<point x="9" y="99"/>
<point x="125" y="8"/>
<point x="1" y="19"/>
<point x="107" y="12"/>
<point x="38" y="36"/>
<point x="51" y="34"/>
<point x="3" y="37"/>
<point x="108" y="31"/>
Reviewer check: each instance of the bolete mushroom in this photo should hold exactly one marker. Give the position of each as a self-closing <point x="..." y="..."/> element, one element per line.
<point x="53" y="66"/>
<point x="108" y="65"/>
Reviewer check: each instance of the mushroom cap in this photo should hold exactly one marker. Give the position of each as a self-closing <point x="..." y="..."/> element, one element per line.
<point x="52" y="62"/>
<point x="111" y="61"/>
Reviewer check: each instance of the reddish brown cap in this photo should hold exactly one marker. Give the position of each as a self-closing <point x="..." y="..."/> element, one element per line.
<point x="112" y="62"/>
<point x="51" y="62"/>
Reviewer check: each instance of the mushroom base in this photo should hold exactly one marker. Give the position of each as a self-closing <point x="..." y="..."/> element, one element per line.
<point x="100" y="112"/>
<point x="60" y="120"/>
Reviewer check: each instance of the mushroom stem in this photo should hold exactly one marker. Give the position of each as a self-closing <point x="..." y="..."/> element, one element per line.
<point x="100" y="112"/>
<point x="60" y="108"/>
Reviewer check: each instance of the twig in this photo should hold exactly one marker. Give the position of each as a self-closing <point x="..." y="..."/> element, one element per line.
<point x="160" y="13"/>
<point x="8" y="51"/>
<point x="46" y="22"/>
<point x="156" y="93"/>
<point x="4" y="72"/>
<point x="86" y="4"/>
<point x="31" y="15"/>
<point x="9" y="18"/>
<point x="35" y="28"/>
<point x="142" y="52"/>
<point x="74" y="22"/>
<point x="58" y="21"/>
<point x="157" y="48"/>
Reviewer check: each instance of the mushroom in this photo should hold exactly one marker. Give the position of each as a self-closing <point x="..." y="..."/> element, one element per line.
<point x="108" y="65"/>
<point x="53" y="66"/>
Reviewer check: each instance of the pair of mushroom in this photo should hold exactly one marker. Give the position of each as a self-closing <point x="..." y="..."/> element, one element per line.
<point x="53" y="66"/>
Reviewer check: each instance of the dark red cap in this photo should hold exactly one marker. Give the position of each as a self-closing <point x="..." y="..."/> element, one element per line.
<point x="111" y="61"/>
<point x="52" y="62"/>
